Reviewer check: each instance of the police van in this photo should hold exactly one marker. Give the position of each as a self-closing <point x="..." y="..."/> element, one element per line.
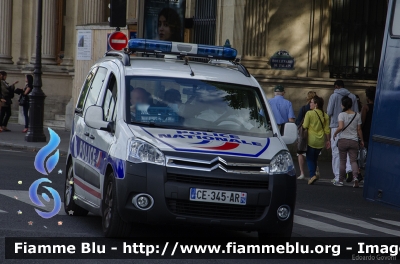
<point x="178" y="133"/>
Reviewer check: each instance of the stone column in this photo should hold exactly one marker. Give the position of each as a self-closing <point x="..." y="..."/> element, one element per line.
<point x="70" y="21"/>
<point x="25" y="40"/>
<point x="132" y="9"/>
<point x="5" y="29"/>
<point x="93" y="11"/>
<point x="49" y="32"/>
<point x="33" y="31"/>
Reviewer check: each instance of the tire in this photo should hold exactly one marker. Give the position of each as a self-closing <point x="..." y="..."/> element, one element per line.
<point x="69" y="192"/>
<point x="112" y="223"/>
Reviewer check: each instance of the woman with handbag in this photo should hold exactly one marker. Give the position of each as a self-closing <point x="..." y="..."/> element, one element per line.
<point x="24" y="99"/>
<point x="7" y="93"/>
<point x="301" y="153"/>
<point x="316" y="122"/>
<point x="350" y="132"/>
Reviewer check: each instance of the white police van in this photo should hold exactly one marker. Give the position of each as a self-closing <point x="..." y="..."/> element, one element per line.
<point x="162" y="139"/>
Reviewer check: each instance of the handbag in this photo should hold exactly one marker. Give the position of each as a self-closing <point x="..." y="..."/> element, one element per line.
<point x="24" y="100"/>
<point x="362" y="157"/>
<point x="302" y="137"/>
<point x="337" y="142"/>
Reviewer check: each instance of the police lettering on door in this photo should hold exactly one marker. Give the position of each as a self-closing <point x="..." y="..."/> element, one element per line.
<point x="90" y="154"/>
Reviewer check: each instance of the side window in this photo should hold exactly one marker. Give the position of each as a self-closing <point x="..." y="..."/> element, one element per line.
<point x="110" y="100"/>
<point x="85" y="89"/>
<point x="396" y="19"/>
<point x="95" y="88"/>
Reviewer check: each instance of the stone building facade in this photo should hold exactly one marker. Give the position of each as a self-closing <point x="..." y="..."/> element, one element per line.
<point x="60" y="21"/>
<point x="326" y="39"/>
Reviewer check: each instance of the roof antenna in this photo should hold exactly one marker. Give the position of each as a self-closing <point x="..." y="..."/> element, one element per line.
<point x="227" y="44"/>
<point x="187" y="63"/>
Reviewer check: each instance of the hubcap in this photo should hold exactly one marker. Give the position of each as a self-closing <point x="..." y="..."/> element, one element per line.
<point x="68" y="187"/>
<point x="108" y="205"/>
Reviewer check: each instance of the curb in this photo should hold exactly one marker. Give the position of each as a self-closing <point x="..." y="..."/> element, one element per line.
<point x="27" y="148"/>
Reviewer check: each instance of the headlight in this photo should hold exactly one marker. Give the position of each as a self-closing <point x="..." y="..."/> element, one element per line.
<point x="282" y="163"/>
<point x="140" y="151"/>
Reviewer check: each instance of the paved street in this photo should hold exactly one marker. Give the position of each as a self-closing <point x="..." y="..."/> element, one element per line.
<point x="323" y="210"/>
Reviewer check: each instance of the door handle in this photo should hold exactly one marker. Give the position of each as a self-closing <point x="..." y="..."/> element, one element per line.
<point x="86" y="134"/>
<point x="92" y="137"/>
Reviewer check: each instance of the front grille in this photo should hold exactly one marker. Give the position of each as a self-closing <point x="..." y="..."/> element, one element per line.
<point x="215" y="211"/>
<point x="217" y="163"/>
<point x="217" y="181"/>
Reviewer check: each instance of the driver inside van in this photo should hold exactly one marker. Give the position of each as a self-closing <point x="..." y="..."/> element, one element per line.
<point x="173" y="98"/>
<point x="138" y="96"/>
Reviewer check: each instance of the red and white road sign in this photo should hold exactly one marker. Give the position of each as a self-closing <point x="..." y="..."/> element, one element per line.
<point x="118" y="40"/>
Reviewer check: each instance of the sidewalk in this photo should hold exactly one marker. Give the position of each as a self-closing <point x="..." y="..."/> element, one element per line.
<point x="15" y="139"/>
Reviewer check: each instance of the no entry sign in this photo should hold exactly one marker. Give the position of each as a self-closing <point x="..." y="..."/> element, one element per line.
<point x="118" y="40"/>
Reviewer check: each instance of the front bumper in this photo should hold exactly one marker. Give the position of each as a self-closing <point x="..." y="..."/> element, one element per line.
<point x="170" y="189"/>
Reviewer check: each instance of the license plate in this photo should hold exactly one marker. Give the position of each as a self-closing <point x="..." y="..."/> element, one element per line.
<point x="215" y="196"/>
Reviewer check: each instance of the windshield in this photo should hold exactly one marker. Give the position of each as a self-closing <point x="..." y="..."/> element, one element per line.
<point x="196" y="105"/>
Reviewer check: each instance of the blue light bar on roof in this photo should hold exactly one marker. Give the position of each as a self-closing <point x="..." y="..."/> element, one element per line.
<point x="180" y="48"/>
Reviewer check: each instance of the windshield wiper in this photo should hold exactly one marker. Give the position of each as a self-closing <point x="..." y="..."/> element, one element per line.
<point x="150" y="124"/>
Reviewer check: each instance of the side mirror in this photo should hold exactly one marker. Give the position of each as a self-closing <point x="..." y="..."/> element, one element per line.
<point x="290" y="133"/>
<point x="94" y="118"/>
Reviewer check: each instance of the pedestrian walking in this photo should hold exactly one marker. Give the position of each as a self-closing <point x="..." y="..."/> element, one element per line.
<point x="316" y="122"/>
<point x="350" y="132"/>
<point x="281" y="108"/>
<point x="7" y="93"/>
<point x="366" y="114"/>
<point x="333" y="111"/>
<point x="301" y="155"/>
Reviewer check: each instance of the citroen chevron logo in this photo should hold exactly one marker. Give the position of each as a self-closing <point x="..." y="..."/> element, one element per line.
<point x="219" y="166"/>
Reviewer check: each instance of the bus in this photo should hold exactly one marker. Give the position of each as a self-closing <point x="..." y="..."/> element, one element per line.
<point x="382" y="181"/>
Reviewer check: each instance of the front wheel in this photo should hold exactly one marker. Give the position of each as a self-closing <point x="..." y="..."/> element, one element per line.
<point x="70" y="207"/>
<point x="113" y="225"/>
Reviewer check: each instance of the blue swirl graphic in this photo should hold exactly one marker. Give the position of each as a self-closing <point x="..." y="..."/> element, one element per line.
<point x="45" y="151"/>
<point x="35" y="199"/>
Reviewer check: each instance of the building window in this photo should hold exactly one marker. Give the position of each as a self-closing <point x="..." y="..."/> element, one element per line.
<point x="357" y="30"/>
<point x="255" y="25"/>
<point x="204" y="22"/>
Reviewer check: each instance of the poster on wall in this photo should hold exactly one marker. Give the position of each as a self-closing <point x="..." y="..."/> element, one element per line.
<point x="164" y="19"/>
<point x="84" y="45"/>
